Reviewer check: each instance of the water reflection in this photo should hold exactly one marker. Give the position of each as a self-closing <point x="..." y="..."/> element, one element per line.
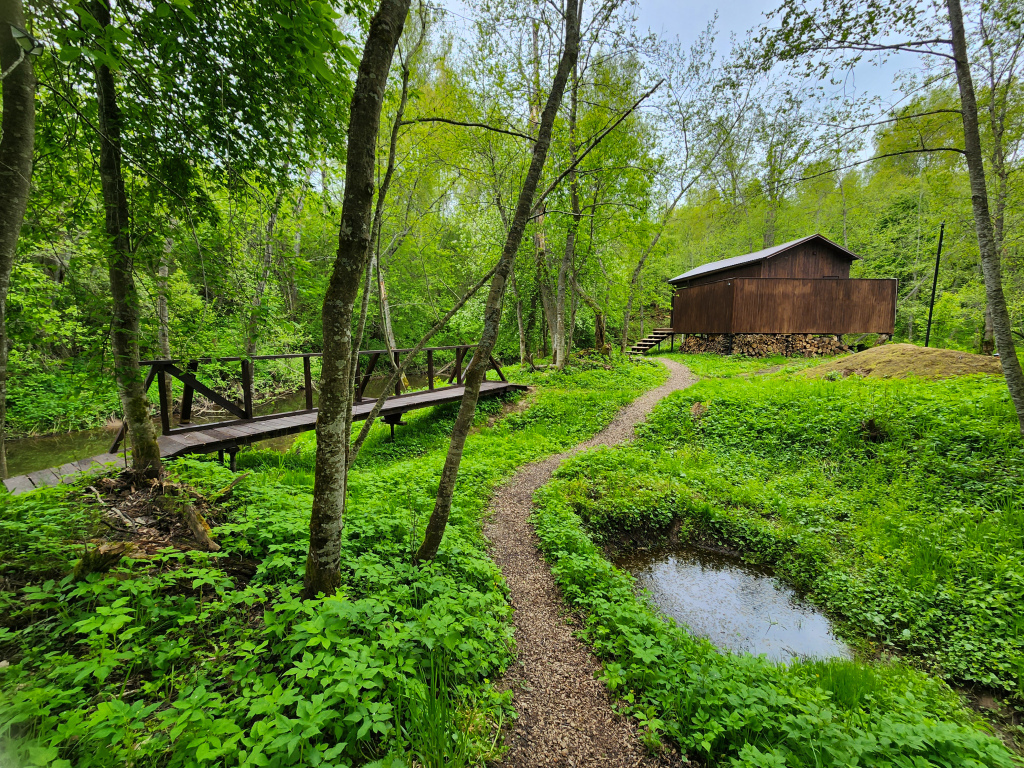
<point x="737" y="607"/>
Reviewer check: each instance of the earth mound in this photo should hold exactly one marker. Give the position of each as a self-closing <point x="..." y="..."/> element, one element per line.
<point x="890" y="361"/>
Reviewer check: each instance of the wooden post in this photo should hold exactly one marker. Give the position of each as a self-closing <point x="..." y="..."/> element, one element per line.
<point x="398" y="381"/>
<point x="366" y="376"/>
<point x="165" y="416"/>
<point x="186" y="396"/>
<point x="430" y="369"/>
<point x="307" y="372"/>
<point x="246" y="389"/>
<point x="497" y="368"/>
<point x="459" y="354"/>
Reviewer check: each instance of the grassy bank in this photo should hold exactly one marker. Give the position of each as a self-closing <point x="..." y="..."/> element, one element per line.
<point x="189" y="658"/>
<point x="895" y="505"/>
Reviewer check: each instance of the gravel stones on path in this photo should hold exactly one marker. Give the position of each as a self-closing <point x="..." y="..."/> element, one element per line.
<point x="565" y="714"/>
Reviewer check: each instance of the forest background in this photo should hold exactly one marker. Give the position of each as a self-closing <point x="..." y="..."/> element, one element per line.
<point x="664" y="157"/>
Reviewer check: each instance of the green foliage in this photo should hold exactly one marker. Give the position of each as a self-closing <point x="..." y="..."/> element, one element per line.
<point x="178" y="660"/>
<point x="910" y="531"/>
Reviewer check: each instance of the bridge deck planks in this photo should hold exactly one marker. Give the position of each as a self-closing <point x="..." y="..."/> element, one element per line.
<point x="222" y="435"/>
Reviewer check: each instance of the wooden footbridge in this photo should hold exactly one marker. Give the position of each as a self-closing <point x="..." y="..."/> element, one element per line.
<point x="245" y="428"/>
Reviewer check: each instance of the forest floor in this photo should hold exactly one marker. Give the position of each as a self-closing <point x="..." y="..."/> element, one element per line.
<point x="565" y="712"/>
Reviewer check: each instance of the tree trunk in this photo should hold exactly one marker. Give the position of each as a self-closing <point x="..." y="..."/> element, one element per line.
<point x="635" y="280"/>
<point x="562" y="342"/>
<point x="125" y="316"/>
<point x="261" y="285"/>
<point x="990" y="264"/>
<point x="492" y="312"/>
<point x="16" y="144"/>
<point x="988" y="338"/>
<point x="289" y="289"/>
<point x="519" y="317"/>
<point x="334" y="419"/>
<point x="164" y="329"/>
<point x="599" y="319"/>
<point x="540" y="245"/>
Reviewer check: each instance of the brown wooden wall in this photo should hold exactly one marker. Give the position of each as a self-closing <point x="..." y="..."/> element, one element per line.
<point x="744" y="270"/>
<point x="786" y="305"/>
<point x="815" y="258"/>
<point x="811" y="259"/>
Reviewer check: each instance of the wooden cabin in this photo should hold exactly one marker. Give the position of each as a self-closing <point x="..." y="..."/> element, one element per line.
<point x="803" y="286"/>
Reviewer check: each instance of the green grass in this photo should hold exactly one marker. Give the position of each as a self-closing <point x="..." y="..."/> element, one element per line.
<point x="896" y="505"/>
<point x="712" y="366"/>
<point x="172" y="661"/>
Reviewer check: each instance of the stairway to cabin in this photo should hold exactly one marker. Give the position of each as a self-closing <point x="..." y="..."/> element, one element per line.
<point x="650" y="341"/>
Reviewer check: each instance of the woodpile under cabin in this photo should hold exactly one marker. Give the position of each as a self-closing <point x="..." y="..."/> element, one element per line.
<point x="791" y="299"/>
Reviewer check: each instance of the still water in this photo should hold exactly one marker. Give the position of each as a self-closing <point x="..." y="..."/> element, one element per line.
<point x="31" y="453"/>
<point x="736" y="606"/>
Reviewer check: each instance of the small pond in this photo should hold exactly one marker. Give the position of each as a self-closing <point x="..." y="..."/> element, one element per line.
<point x="29" y="454"/>
<point x="736" y="606"/>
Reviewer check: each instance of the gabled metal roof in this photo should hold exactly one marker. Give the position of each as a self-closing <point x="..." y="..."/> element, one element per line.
<point x="766" y="253"/>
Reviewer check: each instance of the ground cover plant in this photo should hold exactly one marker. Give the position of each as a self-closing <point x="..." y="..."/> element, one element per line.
<point x="193" y="658"/>
<point x="894" y="504"/>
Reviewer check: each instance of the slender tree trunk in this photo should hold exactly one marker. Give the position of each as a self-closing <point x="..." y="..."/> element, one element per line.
<point x="562" y="342"/>
<point x="990" y="264"/>
<point x="120" y="260"/>
<point x="547" y="297"/>
<point x="770" y="217"/>
<point x="492" y="312"/>
<point x="261" y="285"/>
<point x="16" y="144"/>
<point x="378" y="214"/>
<point x="599" y="319"/>
<point x="519" y="318"/>
<point x="988" y="337"/>
<point x="164" y="328"/>
<point x="334" y="419"/>
<point x="540" y="245"/>
<point x="635" y="279"/>
<point x="287" y="278"/>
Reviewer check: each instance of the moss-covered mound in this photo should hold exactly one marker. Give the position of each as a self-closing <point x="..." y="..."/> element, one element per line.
<point x="900" y="360"/>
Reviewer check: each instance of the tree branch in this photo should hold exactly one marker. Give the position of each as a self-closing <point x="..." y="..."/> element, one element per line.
<point x="467" y="125"/>
<point x="880" y="157"/>
<point x="551" y="187"/>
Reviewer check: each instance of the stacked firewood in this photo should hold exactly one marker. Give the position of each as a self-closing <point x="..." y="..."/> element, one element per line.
<point x="760" y="344"/>
<point x="764" y="344"/>
<point x="718" y="343"/>
<point x="809" y="345"/>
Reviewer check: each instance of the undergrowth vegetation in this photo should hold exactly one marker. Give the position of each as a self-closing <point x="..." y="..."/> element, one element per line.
<point x="896" y="505"/>
<point x="179" y="660"/>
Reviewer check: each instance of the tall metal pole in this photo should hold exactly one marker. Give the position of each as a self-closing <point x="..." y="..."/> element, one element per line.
<point x="935" y="282"/>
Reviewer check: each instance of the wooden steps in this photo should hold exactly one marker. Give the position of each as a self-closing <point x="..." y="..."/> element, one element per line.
<point x="229" y="435"/>
<point x="647" y="343"/>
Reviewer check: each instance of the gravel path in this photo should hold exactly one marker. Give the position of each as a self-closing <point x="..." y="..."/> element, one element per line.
<point x="565" y="716"/>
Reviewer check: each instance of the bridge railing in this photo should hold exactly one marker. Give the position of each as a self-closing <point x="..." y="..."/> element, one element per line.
<point x="185" y="370"/>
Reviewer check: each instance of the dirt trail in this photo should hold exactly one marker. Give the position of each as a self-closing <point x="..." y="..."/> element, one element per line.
<point x="565" y="716"/>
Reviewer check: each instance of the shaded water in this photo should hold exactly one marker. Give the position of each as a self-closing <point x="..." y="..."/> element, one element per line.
<point x="736" y="606"/>
<point x="29" y="454"/>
